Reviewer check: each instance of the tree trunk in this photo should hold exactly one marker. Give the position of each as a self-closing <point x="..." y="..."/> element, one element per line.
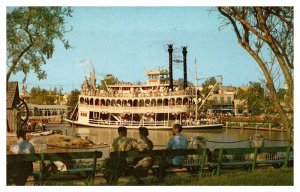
<point x="270" y="85"/>
<point x="16" y="61"/>
<point x="244" y="42"/>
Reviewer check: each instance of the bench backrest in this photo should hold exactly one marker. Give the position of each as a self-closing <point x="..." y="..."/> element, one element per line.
<point x="161" y="153"/>
<point x="242" y="151"/>
<point x="66" y="156"/>
<point x="13" y="158"/>
<point x="243" y="156"/>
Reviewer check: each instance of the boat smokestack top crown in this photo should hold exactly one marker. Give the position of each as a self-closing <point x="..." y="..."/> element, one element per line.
<point x="171" y="65"/>
<point x="184" y="52"/>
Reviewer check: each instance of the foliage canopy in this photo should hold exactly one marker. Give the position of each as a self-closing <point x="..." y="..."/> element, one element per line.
<point x="31" y="32"/>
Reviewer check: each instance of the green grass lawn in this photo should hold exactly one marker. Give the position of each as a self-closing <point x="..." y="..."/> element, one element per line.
<point x="262" y="177"/>
<point x="259" y="177"/>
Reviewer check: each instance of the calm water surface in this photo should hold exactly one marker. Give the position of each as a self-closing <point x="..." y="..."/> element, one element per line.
<point x="161" y="137"/>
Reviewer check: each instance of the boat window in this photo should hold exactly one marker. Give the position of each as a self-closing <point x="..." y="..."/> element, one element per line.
<point x="81" y="100"/>
<point x="153" y="102"/>
<point x="107" y="102"/>
<point x="159" y="102"/>
<point x="179" y="101"/>
<point x="166" y="102"/>
<point x="135" y="103"/>
<point x="185" y="101"/>
<point x="147" y="102"/>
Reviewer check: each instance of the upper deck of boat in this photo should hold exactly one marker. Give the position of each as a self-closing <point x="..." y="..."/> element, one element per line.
<point x="133" y="93"/>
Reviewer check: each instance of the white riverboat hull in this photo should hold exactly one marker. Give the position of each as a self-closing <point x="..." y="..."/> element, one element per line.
<point x="209" y="126"/>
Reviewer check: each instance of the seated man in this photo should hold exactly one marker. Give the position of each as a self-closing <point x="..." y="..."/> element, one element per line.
<point x="178" y="141"/>
<point x="23" y="169"/>
<point x="117" y="163"/>
<point x="122" y="142"/>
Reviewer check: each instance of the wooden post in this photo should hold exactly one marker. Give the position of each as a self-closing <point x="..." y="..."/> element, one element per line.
<point x="202" y="161"/>
<point x="162" y="166"/>
<point x="94" y="169"/>
<point x="254" y="159"/>
<point x="155" y="119"/>
<point x="42" y="169"/>
<point x="131" y="118"/>
<point x="241" y="125"/>
<point x="219" y="161"/>
<point x="287" y="156"/>
<point x="180" y="118"/>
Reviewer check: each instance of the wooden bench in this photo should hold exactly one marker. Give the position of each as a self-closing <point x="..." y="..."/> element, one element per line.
<point x="194" y="162"/>
<point x="249" y="158"/>
<point x="43" y="175"/>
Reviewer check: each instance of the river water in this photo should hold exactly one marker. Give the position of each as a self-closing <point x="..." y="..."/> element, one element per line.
<point x="215" y="138"/>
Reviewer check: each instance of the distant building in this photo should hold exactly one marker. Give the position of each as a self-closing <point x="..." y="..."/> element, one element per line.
<point x="240" y="107"/>
<point x="92" y="79"/>
<point x="24" y="94"/>
<point x="222" y="100"/>
<point x="47" y="110"/>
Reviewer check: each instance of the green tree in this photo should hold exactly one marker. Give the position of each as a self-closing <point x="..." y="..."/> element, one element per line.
<point x="43" y="97"/>
<point x="257" y="100"/>
<point x="72" y="98"/>
<point x="109" y="79"/>
<point x="180" y="83"/>
<point x="210" y="81"/>
<point x="240" y="94"/>
<point x="207" y="86"/>
<point x="267" y="34"/>
<point x="31" y="32"/>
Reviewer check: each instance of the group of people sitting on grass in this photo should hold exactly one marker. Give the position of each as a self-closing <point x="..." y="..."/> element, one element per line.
<point x="143" y="143"/>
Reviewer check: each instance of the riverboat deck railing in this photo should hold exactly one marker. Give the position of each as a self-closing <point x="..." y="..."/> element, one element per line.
<point x="128" y="123"/>
<point x="124" y="109"/>
<point x="154" y="124"/>
<point x="253" y="125"/>
<point x="138" y="95"/>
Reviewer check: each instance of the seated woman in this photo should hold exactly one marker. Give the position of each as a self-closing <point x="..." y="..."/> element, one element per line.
<point x="144" y="164"/>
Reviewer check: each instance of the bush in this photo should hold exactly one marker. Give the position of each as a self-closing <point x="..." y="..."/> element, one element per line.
<point x="275" y="123"/>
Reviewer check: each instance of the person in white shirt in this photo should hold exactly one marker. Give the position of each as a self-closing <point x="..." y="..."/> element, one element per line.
<point x="23" y="169"/>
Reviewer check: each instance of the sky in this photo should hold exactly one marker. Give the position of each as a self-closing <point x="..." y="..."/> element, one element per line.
<point x="124" y="41"/>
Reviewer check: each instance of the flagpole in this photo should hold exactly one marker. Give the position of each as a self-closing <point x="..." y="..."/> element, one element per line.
<point x="196" y="79"/>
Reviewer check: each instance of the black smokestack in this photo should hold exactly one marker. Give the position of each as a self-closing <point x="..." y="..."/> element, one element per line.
<point x="171" y="65"/>
<point x="184" y="52"/>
